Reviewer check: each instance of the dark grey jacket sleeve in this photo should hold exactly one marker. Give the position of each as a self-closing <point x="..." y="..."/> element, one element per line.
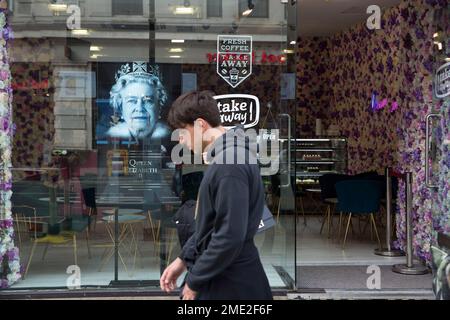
<point x="188" y="252"/>
<point x="231" y="204"/>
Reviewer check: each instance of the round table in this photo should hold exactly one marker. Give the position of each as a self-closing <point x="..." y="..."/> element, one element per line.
<point x="123" y="211"/>
<point x="127" y="233"/>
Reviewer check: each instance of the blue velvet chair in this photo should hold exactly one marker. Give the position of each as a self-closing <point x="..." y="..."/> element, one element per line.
<point x="329" y="197"/>
<point x="359" y="197"/>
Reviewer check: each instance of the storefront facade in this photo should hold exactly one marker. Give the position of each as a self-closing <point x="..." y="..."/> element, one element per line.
<point x="92" y="178"/>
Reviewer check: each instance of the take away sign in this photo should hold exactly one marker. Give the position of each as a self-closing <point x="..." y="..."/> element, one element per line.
<point x="234" y="58"/>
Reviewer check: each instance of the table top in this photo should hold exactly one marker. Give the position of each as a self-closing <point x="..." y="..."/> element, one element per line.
<point x="125" y="218"/>
<point x="315" y="190"/>
<point x="124" y="211"/>
<point x="332" y="200"/>
<point x="61" y="199"/>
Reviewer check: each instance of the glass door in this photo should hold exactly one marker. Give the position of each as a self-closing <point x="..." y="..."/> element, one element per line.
<point x="243" y="51"/>
<point x="437" y="170"/>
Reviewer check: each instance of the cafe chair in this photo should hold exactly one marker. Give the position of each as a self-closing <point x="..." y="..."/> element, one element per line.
<point x="285" y="197"/>
<point x="328" y="195"/>
<point x="67" y="237"/>
<point x="358" y="198"/>
<point x="88" y="186"/>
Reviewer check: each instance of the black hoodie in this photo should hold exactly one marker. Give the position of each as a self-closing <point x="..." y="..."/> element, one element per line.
<point x="230" y="206"/>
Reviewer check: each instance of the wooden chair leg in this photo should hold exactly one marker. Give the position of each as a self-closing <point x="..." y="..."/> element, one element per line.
<point x="303" y="211"/>
<point x="87" y="243"/>
<point x="329" y="221"/>
<point x="45" y="251"/>
<point x="171" y="245"/>
<point x="346" y="230"/>
<point x="376" y="231"/>
<point x="340" y="225"/>
<point x="325" y="218"/>
<point x="30" y="258"/>
<point x="75" y="253"/>
<point x="18" y="231"/>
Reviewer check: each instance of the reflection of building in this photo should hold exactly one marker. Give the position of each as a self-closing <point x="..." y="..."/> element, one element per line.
<point x="118" y="31"/>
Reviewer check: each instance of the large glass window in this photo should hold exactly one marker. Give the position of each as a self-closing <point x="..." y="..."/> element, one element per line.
<point x="95" y="187"/>
<point x="214" y="8"/>
<point x="127" y="7"/>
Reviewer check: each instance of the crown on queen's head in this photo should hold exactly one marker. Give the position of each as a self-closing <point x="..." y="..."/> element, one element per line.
<point x="138" y="69"/>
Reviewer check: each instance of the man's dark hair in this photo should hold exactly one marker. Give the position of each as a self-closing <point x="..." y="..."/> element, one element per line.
<point x="193" y="105"/>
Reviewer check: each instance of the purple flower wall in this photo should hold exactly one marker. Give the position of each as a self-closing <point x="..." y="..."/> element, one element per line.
<point x="337" y="77"/>
<point x="10" y="269"/>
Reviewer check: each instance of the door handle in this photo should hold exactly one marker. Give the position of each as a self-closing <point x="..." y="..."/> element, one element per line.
<point x="288" y="184"/>
<point x="427" y="148"/>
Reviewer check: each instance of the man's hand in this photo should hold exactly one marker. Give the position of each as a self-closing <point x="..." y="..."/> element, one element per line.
<point x="188" y="293"/>
<point x="169" y="277"/>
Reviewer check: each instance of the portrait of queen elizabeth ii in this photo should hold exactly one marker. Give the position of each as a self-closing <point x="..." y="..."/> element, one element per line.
<point x="137" y="98"/>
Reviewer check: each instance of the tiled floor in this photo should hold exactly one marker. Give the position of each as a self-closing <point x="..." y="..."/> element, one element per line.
<point x="277" y="247"/>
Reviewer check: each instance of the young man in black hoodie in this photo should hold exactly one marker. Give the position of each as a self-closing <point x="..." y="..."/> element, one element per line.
<point x="221" y="258"/>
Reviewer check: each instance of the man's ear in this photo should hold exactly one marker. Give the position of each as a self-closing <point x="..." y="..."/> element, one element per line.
<point x="201" y="123"/>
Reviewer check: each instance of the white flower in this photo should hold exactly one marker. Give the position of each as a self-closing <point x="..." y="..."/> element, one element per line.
<point x="4" y="140"/>
<point x="3" y="109"/>
<point x="2" y="20"/>
<point x="6" y="156"/>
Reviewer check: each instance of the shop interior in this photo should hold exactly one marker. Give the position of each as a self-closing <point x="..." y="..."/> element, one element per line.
<point x="339" y="135"/>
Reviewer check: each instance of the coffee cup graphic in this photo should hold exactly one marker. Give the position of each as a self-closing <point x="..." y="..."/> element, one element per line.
<point x="234" y="75"/>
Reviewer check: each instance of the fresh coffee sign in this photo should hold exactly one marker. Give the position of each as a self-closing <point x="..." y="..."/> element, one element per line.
<point x="238" y="109"/>
<point x="442" y="81"/>
<point x="234" y="58"/>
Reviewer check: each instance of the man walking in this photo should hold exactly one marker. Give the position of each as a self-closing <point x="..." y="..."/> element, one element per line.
<point x="221" y="258"/>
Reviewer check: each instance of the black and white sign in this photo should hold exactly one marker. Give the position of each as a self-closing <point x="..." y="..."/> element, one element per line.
<point x="234" y="58"/>
<point x="238" y="109"/>
<point x="442" y="81"/>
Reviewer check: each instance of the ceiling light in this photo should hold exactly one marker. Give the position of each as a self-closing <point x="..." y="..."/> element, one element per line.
<point x="95" y="56"/>
<point x="96" y="48"/>
<point x="175" y="50"/>
<point x="247" y="12"/>
<point x="80" y="32"/>
<point x="184" y="10"/>
<point x="289" y="51"/>
<point x="175" y="57"/>
<point x="57" y="7"/>
<point x="293" y="42"/>
<point x="250" y="7"/>
<point x="177" y="41"/>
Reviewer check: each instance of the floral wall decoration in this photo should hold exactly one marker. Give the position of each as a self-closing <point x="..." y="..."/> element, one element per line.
<point x="337" y="77"/>
<point x="33" y="105"/>
<point x="10" y="270"/>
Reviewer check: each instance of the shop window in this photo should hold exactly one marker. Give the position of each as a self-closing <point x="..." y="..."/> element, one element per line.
<point x="214" y="8"/>
<point x="23" y="7"/>
<point x="127" y="7"/>
<point x="260" y="10"/>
